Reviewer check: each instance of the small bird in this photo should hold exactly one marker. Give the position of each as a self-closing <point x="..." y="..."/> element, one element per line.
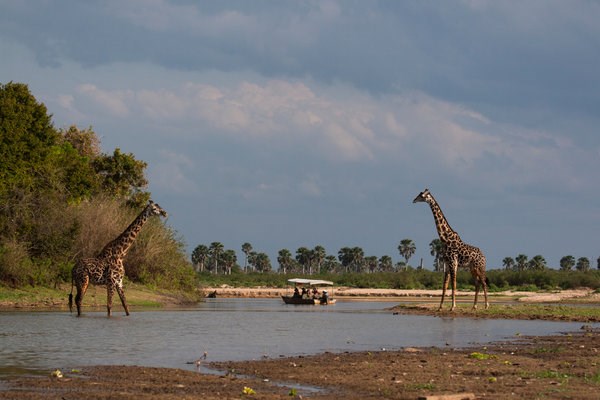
<point x="198" y="362"/>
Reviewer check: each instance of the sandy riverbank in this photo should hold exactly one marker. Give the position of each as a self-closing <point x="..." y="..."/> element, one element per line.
<point x="417" y="295"/>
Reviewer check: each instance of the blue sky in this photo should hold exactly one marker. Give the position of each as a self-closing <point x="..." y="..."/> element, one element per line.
<point x="289" y="124"/>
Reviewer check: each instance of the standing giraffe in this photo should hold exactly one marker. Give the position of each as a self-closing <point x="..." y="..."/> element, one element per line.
<point x="107" y="268"/>
<point x="456" y="253"/>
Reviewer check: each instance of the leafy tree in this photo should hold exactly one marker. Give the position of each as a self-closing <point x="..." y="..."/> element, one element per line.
<point x="567" y="263"/>
<point x="583" y="264"/>
<point x="521" y="261"/>
<point x="123" y="176"/>
<point x="247" y="249"/>
<point x="537" y="263"/>
<point x="85" y="141"/>
<point x="407" y="248"/>
<point x="509" y="263"/>
<point x="199" y="257"/>
<point x="27" y="137"/>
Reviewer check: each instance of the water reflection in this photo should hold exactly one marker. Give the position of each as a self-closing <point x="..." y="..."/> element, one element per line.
<point x="234" y="329"/>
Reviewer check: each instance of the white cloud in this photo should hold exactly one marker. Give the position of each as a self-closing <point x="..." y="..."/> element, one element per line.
<point x="113" y="102"/>
<point x="170" y="173"/>
<point x="340" y="123"/>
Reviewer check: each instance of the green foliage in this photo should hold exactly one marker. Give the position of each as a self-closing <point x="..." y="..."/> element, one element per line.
<point x="418" y="279"/>
<point x="62" y="199"/>
<point x="123" y="176"/>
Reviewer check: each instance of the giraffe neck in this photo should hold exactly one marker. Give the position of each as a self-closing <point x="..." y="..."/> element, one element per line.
<point x="121" y="245"/>
<point x="446" y="233"/>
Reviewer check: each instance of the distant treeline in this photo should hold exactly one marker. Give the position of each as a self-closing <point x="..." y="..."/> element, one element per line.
<point x="62" y="198"/>
<point x="500" y="280"/>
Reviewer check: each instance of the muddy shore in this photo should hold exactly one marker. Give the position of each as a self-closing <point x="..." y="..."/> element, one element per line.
<point x="551" y="367"/>
<point x="565" y="366"/>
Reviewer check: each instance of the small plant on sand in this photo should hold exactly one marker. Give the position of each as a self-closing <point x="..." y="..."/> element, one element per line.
<point x="481" y="356"/>
<point x="248" y="391"/>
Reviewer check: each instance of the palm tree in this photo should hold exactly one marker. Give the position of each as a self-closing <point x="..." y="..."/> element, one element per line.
<point x="386" y="264"/>
<point x="199" y="256"/>
<point x="284" y="258"/>
<point x="537" y="263"/>
<point x="358" y="257"/>
<point x="215" y="250"/>
<point x="247" y="249"/>
<point x="583" y="264"/>
<point x="567" y="263"/>
<point x="331" y="264"/>
<point x="262" y="262"/>
<point x="372" y="263"/>
<point x="229" y="259"/>
<point x="345" y="257"/>
<point x="407" y="248"/>
<point x="319" y="256"/>
<point x="436" y="249"/>
<point x="509" y="263"/>
<point x="304" y="258"/>
<point x="521" y="260"/>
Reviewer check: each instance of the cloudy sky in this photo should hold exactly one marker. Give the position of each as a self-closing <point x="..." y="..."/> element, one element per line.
<point x="289" y="123"/>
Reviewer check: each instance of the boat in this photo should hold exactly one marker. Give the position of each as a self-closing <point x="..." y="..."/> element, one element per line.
<point x="310" y="295"/>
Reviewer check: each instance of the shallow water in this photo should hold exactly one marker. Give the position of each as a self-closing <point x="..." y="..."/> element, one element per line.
<point x="234" y="329"/>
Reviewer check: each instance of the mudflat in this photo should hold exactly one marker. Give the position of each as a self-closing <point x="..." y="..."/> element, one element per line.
<point x="565" y="366"/>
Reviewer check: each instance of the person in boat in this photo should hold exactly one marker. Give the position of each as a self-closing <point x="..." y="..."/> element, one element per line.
<point x="304" y="293"/>
<point x="315" y="293"/>
<point x="296" y="292"/>
<point x="324" y="297"/>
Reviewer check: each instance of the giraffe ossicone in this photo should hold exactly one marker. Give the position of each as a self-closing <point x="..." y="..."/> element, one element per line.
<point x="107" y="268"/>
<point x="456" y="253"/>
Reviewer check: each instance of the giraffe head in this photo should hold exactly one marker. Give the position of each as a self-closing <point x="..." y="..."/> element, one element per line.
<point x="154" y="209"/>
<point x="424" y="196"/>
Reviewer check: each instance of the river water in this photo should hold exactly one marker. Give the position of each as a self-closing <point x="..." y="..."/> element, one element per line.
<point x="234" y="329"/>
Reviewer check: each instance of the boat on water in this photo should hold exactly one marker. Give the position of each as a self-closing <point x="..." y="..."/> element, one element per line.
<point x="309" y="292"/>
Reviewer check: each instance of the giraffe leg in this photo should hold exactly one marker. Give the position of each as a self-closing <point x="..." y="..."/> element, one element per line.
<point x="81" y="289"/>
<point x="484" y="284"/>
<point x="122" y="297"/>
<point x="444" y="286"/>
<point x="477" y="284"/>
<point x="453" y="270"/>
<point x="109" y="297"/>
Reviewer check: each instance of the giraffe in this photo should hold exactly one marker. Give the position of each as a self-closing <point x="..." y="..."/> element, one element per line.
<point x="107" y="268"/>
<point x="456" y="254"/>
